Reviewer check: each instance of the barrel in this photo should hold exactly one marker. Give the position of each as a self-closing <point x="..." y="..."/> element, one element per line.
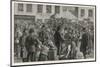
<point x="52" y="55"/>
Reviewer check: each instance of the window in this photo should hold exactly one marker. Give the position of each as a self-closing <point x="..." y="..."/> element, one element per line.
<point x="90" y="13"/>
<point x="57" y="9"/>
<point x="82" y="12"/>
<point x="64" y="8"/>
<point x="29" y="7"/>
<point x="48" y="8"/>
<point x="20" y="7"/>
<point x="39" y="8"/>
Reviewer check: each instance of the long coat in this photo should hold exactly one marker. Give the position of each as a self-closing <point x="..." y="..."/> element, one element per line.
<point x="84" y="42"/>
<point x="23" y="48"/>
<point x="58" y="39"/>
<point x="31" y="43"/>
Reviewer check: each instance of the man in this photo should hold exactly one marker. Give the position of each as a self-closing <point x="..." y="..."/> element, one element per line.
<point x="84" y="42"/>
<point x="22" y="44"/>
<point x="58" y="39"/>
<point x="31" y="44"/>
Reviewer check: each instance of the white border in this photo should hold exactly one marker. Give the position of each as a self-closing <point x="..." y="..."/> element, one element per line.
<point x="47" y="62"/>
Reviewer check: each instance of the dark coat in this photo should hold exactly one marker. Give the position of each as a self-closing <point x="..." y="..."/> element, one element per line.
<point x="42" y="36"/>
<point x="84" y="42"/>
<point x="57" y="38"/>
<point x="31" y="43"/>
<point x="22" y="45"/>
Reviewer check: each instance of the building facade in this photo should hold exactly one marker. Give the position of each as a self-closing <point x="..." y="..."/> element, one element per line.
<point x="42" y="13"/>
<point x="86" y="13"/>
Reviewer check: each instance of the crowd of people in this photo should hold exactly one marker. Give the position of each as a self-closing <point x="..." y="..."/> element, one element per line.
<point x="57" y="39"/>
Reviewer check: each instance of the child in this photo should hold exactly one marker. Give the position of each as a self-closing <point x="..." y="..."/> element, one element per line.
<point x="44" y="52"/>
<point x="65" y="52"/>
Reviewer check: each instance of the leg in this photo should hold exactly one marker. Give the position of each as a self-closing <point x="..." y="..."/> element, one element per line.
<point x="28" y="56"/>
<point x="32" y="56"/>
<point x="84" y="53"/>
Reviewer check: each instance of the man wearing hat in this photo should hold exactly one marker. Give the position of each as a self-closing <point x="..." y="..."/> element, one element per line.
<point x="58" y="39"/>
<point x="31" y="43"/>
<point x="84" y="42"/>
